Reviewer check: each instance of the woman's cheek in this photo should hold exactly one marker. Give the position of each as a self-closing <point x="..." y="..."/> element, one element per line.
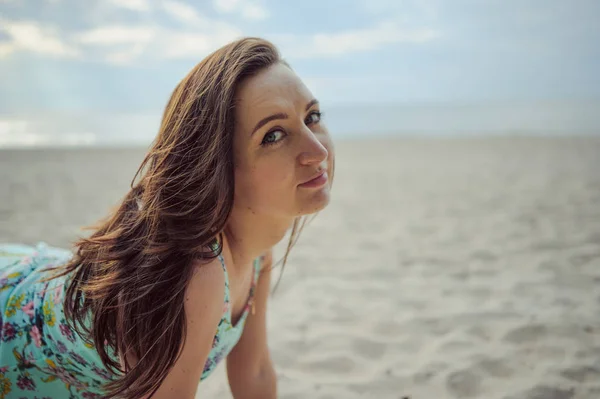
<point x="271" y="175"/>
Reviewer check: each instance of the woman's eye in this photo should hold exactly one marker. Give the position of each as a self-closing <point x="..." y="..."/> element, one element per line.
<point x="314" y="117"/>
<point x="272" y="137"/>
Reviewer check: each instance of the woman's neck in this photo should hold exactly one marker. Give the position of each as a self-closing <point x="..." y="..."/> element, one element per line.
<point x="249" y="237"/>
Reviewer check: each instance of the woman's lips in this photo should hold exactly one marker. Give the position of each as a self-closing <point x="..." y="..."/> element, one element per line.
<point x="318" y="181"/>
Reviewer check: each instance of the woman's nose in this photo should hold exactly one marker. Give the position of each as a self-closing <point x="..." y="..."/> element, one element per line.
<point x="313" y="151"/>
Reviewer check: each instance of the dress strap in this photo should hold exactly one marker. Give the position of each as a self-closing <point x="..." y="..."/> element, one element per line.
<point x="251" y="299"/>
<point x="224" y="270"/>
<point x="257" y="267"/>
<point x="215" y="247"/>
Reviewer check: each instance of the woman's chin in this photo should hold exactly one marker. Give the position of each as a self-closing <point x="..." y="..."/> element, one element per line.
<point x="315" y="201"/>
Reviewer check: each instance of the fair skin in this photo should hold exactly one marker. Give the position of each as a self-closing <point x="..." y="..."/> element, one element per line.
<point x="273" y="158"/>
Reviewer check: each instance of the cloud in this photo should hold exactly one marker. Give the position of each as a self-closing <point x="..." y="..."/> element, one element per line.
<point x="134" y="5"/>
<point x="420" y="9"/>
<point x="336" y="44"/>
<point x="158" y="42"/>
<point x="254" y="12"/>
<point x="116" y="35"/>
<point x="250" y="10"/>
<point x="196" y="45"/>
<point x="6" y="49"/>
<point x="125" y="57"/>
<point x="119" y="45"/>
<point x="193" y="35"/>
<point x="32" y="37"/>
<point x="123" y="45"/>
<point x="18" y="133"/>
<point x="183" y="12"/>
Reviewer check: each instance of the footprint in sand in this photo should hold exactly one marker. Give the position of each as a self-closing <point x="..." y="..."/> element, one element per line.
<point x="334" y="365"/>
<point x="544" y="392"/>
<point x="495" y="367"/>
<point x="582" y="374"/>
<point x="464" y="384"/>
<point x="368" y="349"/>
<point x="525" y="334"/>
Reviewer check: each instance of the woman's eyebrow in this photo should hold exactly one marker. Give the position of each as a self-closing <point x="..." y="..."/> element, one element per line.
<point x="280" y="115"/>
<point x="312" y="102"/>
<point x="268" y="119"/>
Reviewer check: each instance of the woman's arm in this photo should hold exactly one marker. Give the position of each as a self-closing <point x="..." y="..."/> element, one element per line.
<point x="203" y="309"/>
<point x="249" y="367"/>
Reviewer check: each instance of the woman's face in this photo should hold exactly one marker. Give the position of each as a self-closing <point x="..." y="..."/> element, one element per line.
<point x="280" y="144"/>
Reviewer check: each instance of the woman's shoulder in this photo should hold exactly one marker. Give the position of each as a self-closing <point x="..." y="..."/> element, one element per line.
<point x="206" y="287"/>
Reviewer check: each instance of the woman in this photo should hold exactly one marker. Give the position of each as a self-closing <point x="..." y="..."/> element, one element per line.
<point x="177" y="278"/>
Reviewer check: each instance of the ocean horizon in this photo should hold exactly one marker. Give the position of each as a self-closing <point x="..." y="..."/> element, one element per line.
<point x="351" y="121"/>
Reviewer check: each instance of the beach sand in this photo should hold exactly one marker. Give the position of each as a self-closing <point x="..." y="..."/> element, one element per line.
<point x="443" y="268"/>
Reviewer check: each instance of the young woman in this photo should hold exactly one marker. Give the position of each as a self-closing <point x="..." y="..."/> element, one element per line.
<point x="177" y="278"/>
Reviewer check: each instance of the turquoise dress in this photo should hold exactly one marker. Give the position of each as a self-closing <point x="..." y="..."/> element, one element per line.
<point x="40" y="357"/>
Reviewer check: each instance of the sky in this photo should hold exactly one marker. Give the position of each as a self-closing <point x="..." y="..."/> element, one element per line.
<point x="59" y="57"/>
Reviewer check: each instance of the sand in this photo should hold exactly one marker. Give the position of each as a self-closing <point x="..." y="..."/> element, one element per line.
<point x="443" y="268"/>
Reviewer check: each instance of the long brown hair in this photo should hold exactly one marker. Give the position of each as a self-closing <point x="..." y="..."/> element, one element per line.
<point x="130" y="275"/>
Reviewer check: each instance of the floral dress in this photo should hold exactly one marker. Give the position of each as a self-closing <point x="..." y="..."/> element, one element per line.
<point x="40" y="357"/>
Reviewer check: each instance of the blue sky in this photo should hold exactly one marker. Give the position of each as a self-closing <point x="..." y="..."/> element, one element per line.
<point x="127" y="55"/>
<point x="90" y="71"/>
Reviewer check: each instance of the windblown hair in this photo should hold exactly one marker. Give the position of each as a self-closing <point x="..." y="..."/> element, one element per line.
<point x="129" y="277"/>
